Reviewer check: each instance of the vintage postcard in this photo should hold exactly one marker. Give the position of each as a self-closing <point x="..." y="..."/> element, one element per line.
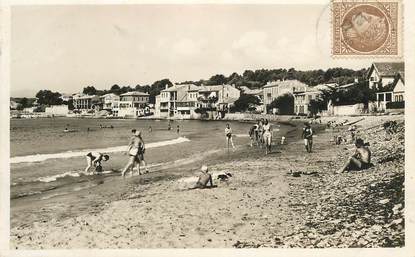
<point x="207" y="128"/>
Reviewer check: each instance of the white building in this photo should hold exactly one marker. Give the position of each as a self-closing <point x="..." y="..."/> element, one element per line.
<point x="133" y="104"/>
<point x="66" y="97"/>
<point x="219" y="97"/>
<point x="57" y="110"/>
<point x="274" y="89"/>
<point x="86" y="103"/>
<point x="389" y="80"/>
<point x="382" y="74"/>
<point x="110" y="102"/>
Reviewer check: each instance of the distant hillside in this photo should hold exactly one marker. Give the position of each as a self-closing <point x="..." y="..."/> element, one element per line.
<point x="258" y="78"/>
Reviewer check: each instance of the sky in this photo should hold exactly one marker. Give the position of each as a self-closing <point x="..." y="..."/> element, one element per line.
<point x="68" y="47"/>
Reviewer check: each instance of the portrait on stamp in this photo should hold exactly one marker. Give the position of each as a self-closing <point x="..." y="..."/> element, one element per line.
<point x="366" y="28"/>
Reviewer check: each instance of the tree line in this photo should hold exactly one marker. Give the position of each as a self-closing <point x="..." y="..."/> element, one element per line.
<point x="252" y="79"/>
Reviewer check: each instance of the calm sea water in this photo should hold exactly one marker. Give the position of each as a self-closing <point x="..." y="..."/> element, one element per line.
<point x="47" y="163"/>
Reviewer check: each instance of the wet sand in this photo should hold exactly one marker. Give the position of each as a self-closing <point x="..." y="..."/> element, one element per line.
<point x="259" y="206"/>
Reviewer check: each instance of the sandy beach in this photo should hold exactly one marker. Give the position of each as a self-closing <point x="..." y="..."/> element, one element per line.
<point x="261" y="205"/>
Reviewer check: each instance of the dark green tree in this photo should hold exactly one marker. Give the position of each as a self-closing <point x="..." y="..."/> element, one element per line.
<point x="47" y="97"/>
<point x="284" y="104"/>
<point x="245" y="102"/>
<point x="217" y="79"/>
<point x="90" y="90"/>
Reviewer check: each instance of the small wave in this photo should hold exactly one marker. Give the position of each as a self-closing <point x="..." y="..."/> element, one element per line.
<point x="69" y="154"/>
<point x="75" y="174"/>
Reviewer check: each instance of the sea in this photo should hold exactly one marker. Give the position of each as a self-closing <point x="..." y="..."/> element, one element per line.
<point x="47" y="155"/>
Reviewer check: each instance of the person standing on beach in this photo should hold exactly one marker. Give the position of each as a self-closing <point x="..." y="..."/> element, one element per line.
<point x="150" y="129"/>
<point x="140" y="154"/>
<point x="261" y="133"/>
<point x="252" y="133"/>
<point x="178" y="130"/>
<point x="228" y="134"/>
<point x="136" y="153"/>
<point x="308" y="137"/>
<point x="267" y="136"/>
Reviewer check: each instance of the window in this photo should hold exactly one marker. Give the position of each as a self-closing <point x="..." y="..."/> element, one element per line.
<point x="381" y="97"/>
<point x="388" y="97"/>
<point x="372" y="78"/>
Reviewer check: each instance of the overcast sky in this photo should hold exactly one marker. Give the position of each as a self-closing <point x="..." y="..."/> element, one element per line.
<point x="65" y="48"/>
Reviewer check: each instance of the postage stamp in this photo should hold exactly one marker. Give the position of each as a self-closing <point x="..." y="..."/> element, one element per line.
<point x="366" y="28"/>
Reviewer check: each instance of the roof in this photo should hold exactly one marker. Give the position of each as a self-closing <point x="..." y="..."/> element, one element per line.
<point x="84" y="96"/>
<point x="135" y="93"/>
<point x="229" y="100"/>
<point x="249" y="91"/>
<point x="388" y="69"/>
<point x="285" y="83"/>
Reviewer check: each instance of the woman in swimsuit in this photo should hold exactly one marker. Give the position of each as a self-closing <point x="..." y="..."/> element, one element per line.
<point x="267" y="136"/>
<point x="228" y="134"/>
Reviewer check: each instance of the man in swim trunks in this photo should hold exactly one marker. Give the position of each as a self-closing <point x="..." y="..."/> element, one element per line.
<point x="95" y="159"/>
<point x="307" y="135"/>
<point x="267" y="135"/>
<point x="228" y="134"/>
<point x="360" y="160"/>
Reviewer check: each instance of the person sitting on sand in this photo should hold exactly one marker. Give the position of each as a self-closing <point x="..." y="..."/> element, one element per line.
<point x="360" y="160"/>
<point x="94" y="159"/>
<point x="204" y="179"/>
<point x="308" y="137"/>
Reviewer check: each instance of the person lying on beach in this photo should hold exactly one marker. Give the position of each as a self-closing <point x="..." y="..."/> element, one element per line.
<point x="360" y="160"/>
<point x="204" y="179"/>
<point x="95" y="159"/>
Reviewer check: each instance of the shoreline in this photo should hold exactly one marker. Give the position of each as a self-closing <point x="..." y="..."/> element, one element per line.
<point x="260" y="206"/>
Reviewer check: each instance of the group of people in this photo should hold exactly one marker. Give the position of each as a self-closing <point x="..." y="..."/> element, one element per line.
<point x="136" y="149"/>
<point x="261" y="135"/>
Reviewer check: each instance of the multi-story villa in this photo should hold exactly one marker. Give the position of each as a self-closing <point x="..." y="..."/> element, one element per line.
<point x="274" y="89"/>
<point x="133" y="104"/>
<point x="86" y="103"/>
<point x="110" y="102"/>
<point x="181" y="101"/>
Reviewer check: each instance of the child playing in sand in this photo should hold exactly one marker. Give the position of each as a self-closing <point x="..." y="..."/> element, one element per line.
<point x="359" y="160"/>
<point x="94" y="159"/>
